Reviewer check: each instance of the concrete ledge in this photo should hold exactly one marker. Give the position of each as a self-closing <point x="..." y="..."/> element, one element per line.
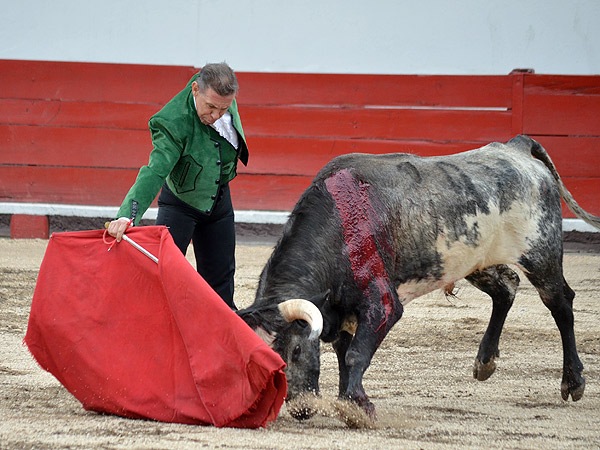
<point x="51" y="209"/>
<point x="578" y="225"/>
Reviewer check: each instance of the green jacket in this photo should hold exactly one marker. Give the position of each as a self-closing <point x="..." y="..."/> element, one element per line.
<point x="192" y="157"/>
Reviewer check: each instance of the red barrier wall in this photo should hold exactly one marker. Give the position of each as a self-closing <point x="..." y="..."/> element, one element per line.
<point x="76" y="133"/>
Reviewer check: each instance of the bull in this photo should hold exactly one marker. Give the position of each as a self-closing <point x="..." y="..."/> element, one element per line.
<point x="373" y="232"/>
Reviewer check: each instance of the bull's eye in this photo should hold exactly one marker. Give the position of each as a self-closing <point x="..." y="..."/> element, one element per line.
<point x="296" y="353"/>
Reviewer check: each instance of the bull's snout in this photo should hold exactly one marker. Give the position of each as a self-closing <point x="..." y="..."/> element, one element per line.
<point x="303" y="413"/>
<point x="302" y="407"/>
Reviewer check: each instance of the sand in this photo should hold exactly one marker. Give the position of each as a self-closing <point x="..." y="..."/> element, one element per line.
<point x="420" y="379"/>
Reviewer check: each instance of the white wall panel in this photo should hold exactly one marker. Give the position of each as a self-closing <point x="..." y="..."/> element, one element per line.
<point x="339" y="36"/>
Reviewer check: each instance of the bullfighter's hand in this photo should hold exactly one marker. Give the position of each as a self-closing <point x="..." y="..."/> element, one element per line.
<point x="117" y="228"/>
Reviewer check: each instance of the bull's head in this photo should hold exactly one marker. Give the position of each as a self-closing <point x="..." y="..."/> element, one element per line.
<point x="292" y="328"/>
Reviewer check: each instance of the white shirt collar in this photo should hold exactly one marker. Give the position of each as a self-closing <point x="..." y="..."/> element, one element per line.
<point x="224" y="126"/>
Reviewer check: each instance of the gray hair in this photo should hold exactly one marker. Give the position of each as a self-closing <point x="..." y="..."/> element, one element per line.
<point x="219" y="77"/>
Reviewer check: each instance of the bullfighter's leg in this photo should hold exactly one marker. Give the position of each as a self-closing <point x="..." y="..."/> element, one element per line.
<point x="500" y="283"/>
<point x="375" y="320"/>
<point x="547" y="277"/>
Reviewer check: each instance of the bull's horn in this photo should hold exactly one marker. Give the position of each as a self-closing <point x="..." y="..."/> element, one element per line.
<point x="304" y="310"/>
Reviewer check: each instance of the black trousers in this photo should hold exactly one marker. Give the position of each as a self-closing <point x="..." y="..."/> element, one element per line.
<point x="213" y="237"/>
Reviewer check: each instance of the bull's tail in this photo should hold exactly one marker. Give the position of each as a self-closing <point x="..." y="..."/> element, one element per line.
<point x="540" y="153"/>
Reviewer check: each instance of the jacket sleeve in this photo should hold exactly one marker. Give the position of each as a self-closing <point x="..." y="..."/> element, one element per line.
<point x="165" y="154"/>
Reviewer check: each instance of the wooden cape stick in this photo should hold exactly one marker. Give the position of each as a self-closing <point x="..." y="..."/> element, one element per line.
<point x="137" y="246"/>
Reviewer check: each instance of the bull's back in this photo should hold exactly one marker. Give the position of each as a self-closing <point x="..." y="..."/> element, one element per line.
<point x="500" y="174"/>
<point x="446" y="216"/>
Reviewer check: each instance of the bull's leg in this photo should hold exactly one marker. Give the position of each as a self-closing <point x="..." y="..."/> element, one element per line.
<point x="340" y="346"/>
<point x="558" y="297"/>
<point x="375" y="320"/>
<point x="500" y="283"/>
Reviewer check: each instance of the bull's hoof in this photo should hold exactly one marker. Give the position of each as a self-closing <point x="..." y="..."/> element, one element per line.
<point x="576" y="392"/>
<point x="369" y="409"/>
<point x="482" y="371"/>
<point x="353" y="415"/>
<point x="364" y="404"/>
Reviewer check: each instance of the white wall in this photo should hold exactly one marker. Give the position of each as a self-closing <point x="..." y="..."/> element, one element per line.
<point x="339" y="36"/>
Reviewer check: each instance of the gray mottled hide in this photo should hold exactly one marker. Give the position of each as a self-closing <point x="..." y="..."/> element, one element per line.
<point x="373" y="232"/>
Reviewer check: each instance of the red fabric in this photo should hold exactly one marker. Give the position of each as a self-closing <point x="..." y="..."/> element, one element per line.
<point x="131" y="337"/>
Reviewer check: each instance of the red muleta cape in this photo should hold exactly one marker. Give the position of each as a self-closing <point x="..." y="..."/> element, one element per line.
<point x="131" y="337"/>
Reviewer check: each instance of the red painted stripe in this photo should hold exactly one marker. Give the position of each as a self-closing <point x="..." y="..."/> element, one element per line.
<point x="69" y="115"/>
<point x="585" y="191"/>
<point x="84" y="147"/>
<point x="360" y="123"/>
<point x="92" y="81"/>
<point x="351" y="89"/>
<point x="79" y="186"/>
<point x="130" y="116"/>
<point x="157" y="84"/>
<point x="567" y="105"/>
<point x="563" y="84"/>
<point x="107" y="187"/>
<point x="561" y="114"/>
<point x="574" y="157"/>
<point x="267" y="192"/>
<point x="277" y="155"/>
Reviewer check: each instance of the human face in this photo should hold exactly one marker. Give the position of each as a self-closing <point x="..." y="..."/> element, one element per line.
<point x="210" y="106"/>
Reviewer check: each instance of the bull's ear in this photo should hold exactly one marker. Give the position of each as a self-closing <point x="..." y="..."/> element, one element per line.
<point x="269" y="338"/>
<point x="325" y="302"/>
<point x="322" y="300"/>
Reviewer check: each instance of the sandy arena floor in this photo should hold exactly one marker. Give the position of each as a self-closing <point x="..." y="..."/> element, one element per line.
<point x="420" y="379"/>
